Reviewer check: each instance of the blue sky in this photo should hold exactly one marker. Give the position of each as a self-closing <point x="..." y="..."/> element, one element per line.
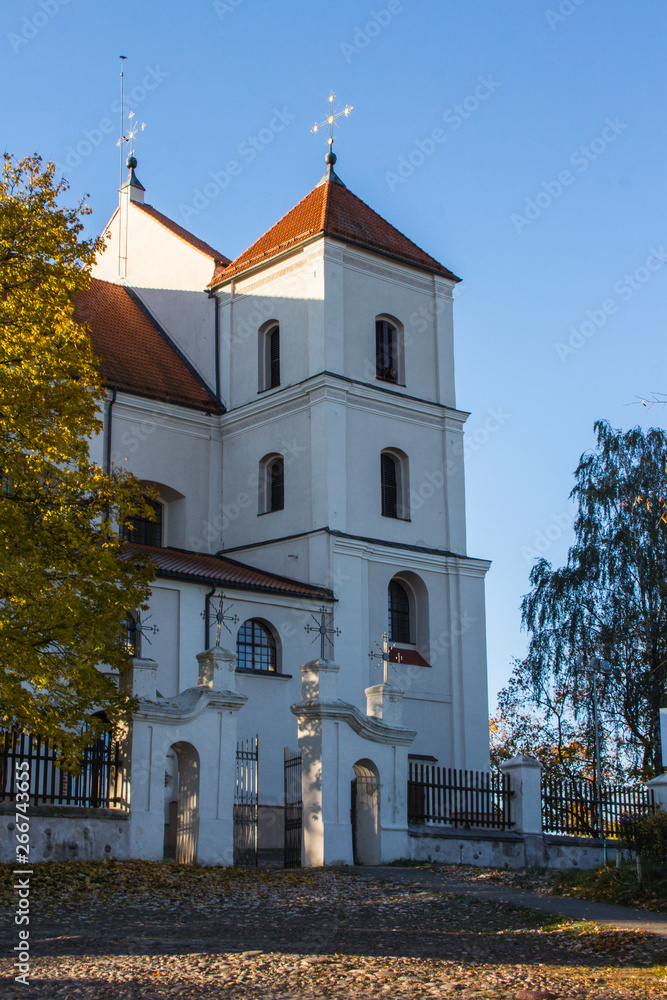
<point x="543" y="188"/>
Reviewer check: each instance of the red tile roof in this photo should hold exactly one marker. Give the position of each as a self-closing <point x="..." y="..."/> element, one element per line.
<point x="197" y="567"/>
<point x="183" y="234"/>
<point x="136" y="356"/>
<point x="332" y="210"/>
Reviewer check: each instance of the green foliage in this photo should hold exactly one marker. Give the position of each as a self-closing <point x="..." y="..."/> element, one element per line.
<point x="610" y="599"/>
<point x="64" y="584"/>
<point x="646" y="835"/>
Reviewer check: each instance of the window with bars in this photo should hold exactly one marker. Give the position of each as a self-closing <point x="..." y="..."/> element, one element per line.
<point x="269" y="356"/>
<point x="399" y="613"/>
<point x="386" y="351"/>
<point x="275" y="475"/>
<point x="271" y="484"/>
<point x="273" y="344"/>
<point x="389" y="483"/>
<point x="142" y="530"/>
<point x="256" y="648"/>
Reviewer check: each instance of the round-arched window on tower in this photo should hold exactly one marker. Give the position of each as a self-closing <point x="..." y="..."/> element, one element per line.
<point x="399" y="613"/>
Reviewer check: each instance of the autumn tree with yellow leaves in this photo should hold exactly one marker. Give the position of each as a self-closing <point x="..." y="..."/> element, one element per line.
<point x="65" y="585"/>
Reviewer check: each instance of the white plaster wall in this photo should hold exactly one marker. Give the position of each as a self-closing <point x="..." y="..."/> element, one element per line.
<point x="246" y="443"/>
<point x="332" y="436"/>
<point x="374" y="287"/>
<point x="170" y="276"/>
<point x="446" y="703"/>
<point x="326" y="298"/>
<point x="290" y="293"/>
<point x="164" y="647"/>
<point x="176" y="609"/>
<point x="177" y="448"/>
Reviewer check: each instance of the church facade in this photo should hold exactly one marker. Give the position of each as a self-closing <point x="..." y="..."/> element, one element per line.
<point x="294" y="411"/>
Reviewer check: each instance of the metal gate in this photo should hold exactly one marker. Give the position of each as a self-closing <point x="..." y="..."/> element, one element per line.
<point x="293" y="809"/>
<point x="245" y="803"/>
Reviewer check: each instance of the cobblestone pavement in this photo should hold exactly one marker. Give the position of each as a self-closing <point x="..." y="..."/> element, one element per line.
<point x="139" y="930"/>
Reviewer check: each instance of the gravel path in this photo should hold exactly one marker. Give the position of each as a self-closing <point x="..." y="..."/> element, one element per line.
<point x="605" y="914"/>
<point x="135" y="930"/>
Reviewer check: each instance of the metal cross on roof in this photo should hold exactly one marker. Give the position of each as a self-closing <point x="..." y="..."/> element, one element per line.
<point x="322" y="629"/>
<point x="132" y="131"/>
<point x="385" y="650"/>
<point x="221" y="617"/>
<point x="331" y="119"/>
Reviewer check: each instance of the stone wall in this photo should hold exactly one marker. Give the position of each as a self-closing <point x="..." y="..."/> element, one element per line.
<point x="62" y="833"/>
<point x="504" y="849"/>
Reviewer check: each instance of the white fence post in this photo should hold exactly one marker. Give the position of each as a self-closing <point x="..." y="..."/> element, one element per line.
<point x="659" y="788"/>
<point x="526" y="806"/>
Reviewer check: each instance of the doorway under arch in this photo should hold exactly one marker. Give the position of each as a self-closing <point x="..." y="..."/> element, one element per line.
<point x="181" y="803"/>
<point x="365" y="813"/>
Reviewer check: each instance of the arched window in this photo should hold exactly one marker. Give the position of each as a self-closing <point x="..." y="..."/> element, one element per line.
<point x="389" y="476"/>
<point x="388" y="351"/>
<point x="269" y="356"/>
<point x="142" y="530"/>
<point x="274" y="357"/>
<point x="399" y="613"/>
<point x="394" y="485"/>
<point x="272" y="484"/>
<point x="256" y="647"/>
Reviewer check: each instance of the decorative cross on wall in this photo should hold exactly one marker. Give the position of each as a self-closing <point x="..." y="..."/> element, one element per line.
<point x="330" y="120"/>
<point x="142" y="628"/>
<point x="385" y="650"/>
<point x="135" y="629"/>
<point x="322" y="629"/>
<point x="221" y="617"/>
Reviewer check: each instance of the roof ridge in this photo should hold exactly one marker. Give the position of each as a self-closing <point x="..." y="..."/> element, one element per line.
<point x="182" y="233"/>
<point x="397" y="230"/>
<point x="332" y="209"/>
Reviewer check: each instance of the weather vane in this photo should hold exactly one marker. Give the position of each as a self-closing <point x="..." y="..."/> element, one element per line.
<point x="221" y="616"/>
<point x="132" y="131"/>
<point x="323" y="631"/>
<point x="331" y="119"/>
<point x="384" y="655"/>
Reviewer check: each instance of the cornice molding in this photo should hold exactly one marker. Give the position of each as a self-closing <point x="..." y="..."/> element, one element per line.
<point x="373" y="730"/>
<point x="188" y="706"/>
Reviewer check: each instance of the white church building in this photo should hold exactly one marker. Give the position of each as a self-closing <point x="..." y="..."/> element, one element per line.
<point x="294" y="410"/>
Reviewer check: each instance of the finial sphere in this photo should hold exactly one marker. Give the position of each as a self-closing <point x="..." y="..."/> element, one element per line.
<point x="330" y="158"/>
<point x="131" y="162"/>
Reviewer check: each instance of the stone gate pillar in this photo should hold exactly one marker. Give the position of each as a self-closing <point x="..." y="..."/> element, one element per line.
<point x="525" y="775"/>
<point x="337" y="740"/>
<point x="199" y="726"/>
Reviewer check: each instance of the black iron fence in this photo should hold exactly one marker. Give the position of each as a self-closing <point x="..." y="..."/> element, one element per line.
<point x="102" y="781"/>
<point x="580" y="808"/>
<point x="293" y="810"/>
<point x="472" y="799"/>
<point x="246" y="811"/>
